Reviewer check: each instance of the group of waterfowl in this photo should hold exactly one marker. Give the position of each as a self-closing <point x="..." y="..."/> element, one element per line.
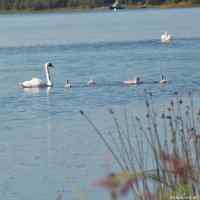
<point x="37" y="83"/>
<point x="89" y="83"/>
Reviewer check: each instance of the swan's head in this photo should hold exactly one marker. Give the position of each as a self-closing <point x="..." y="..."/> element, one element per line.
<point x="49" y="64"/>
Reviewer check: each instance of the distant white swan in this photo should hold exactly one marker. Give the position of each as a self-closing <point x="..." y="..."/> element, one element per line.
<point x="135" y="81"/>
<point x="67" y="84"/>
<point x="91" y="82"/>
<point x="36" y="82"/>
<point x="166" y="37"/>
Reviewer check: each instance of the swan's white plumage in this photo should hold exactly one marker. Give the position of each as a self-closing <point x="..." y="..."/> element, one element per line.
<point x="38" y="83"/>
<point x="91" y="82"/>
<point x="34" y="82"/>
<point x="166" y="37"/>
<point x="133" y="81"/>
<point x="163" y="81"/>
<point x="129" y="82"/>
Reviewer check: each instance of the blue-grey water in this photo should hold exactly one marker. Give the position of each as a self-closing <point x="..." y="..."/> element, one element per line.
<point x="45" y="145"/>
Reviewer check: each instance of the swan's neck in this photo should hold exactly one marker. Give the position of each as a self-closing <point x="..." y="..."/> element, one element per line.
<point x="48" y="78"/>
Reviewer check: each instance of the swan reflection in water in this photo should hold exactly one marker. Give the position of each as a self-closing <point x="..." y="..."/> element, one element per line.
<point x="37" y="90"/>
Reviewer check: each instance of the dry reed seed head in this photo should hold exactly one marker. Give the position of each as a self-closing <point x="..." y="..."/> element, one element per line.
<point x="155" y="125"/>
<point x="147" y="115"/>
<point x="169" y="117"/>
<point x="163" y="115"/>
<point x="172" y="103"/>
<point x="169" y="109"/>
<point x="178" y="118"/>
<point x="180" y="101"/>
<point x="111" y="174"/>
<point x="111" y="111"/>
<point x="149" y="128"/>
<point x="198" y="113"/>
<point x="176" y="93"/>
<point x="187" y="113"/>
<point x="192" y="129"/>
<point x="181" y="130"/>
<point x="188" y="107"/>
<point x="150" y="94"/>
<point x="147" y="103"/>
<point x="82" y="113"/>
<point x="137" y="118"/>
<point x="173" y="140"/>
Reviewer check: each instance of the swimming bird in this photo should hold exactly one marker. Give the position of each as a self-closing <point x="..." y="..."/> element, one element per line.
<point x="135" y="81"/>
<point x="91" y="82"/>
<point x="38" y="83"/>
<point x="163" y="79"/>
<point x="166" y="37"/>
<point x="67" y="84"/>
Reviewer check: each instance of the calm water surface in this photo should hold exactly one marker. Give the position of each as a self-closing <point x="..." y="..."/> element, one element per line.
<point x="45" y="145"/>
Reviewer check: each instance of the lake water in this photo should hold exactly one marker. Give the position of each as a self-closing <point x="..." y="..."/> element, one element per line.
<point x="45" y="145"/>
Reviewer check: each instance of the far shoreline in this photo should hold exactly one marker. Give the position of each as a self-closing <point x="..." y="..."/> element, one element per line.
<point x="99" y="9"/>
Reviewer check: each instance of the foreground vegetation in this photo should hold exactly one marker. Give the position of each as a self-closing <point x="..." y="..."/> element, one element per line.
<point x="53" y="4"/>
<point x="158" y="154"/>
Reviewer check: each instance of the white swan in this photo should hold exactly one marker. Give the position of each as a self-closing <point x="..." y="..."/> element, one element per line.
<point x="166" y="37"/>
<point x="68" y="84"/>
<point x="91" y="82"/>
<point x="135" y="81"/>
<point x="36" y="82"/>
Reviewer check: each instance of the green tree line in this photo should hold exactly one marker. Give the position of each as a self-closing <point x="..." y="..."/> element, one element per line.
<point x="50" y="4"/>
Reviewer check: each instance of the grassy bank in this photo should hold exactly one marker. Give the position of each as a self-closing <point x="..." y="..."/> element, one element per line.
<point x="183" y="4"/>
<point x="52" y="10"/>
